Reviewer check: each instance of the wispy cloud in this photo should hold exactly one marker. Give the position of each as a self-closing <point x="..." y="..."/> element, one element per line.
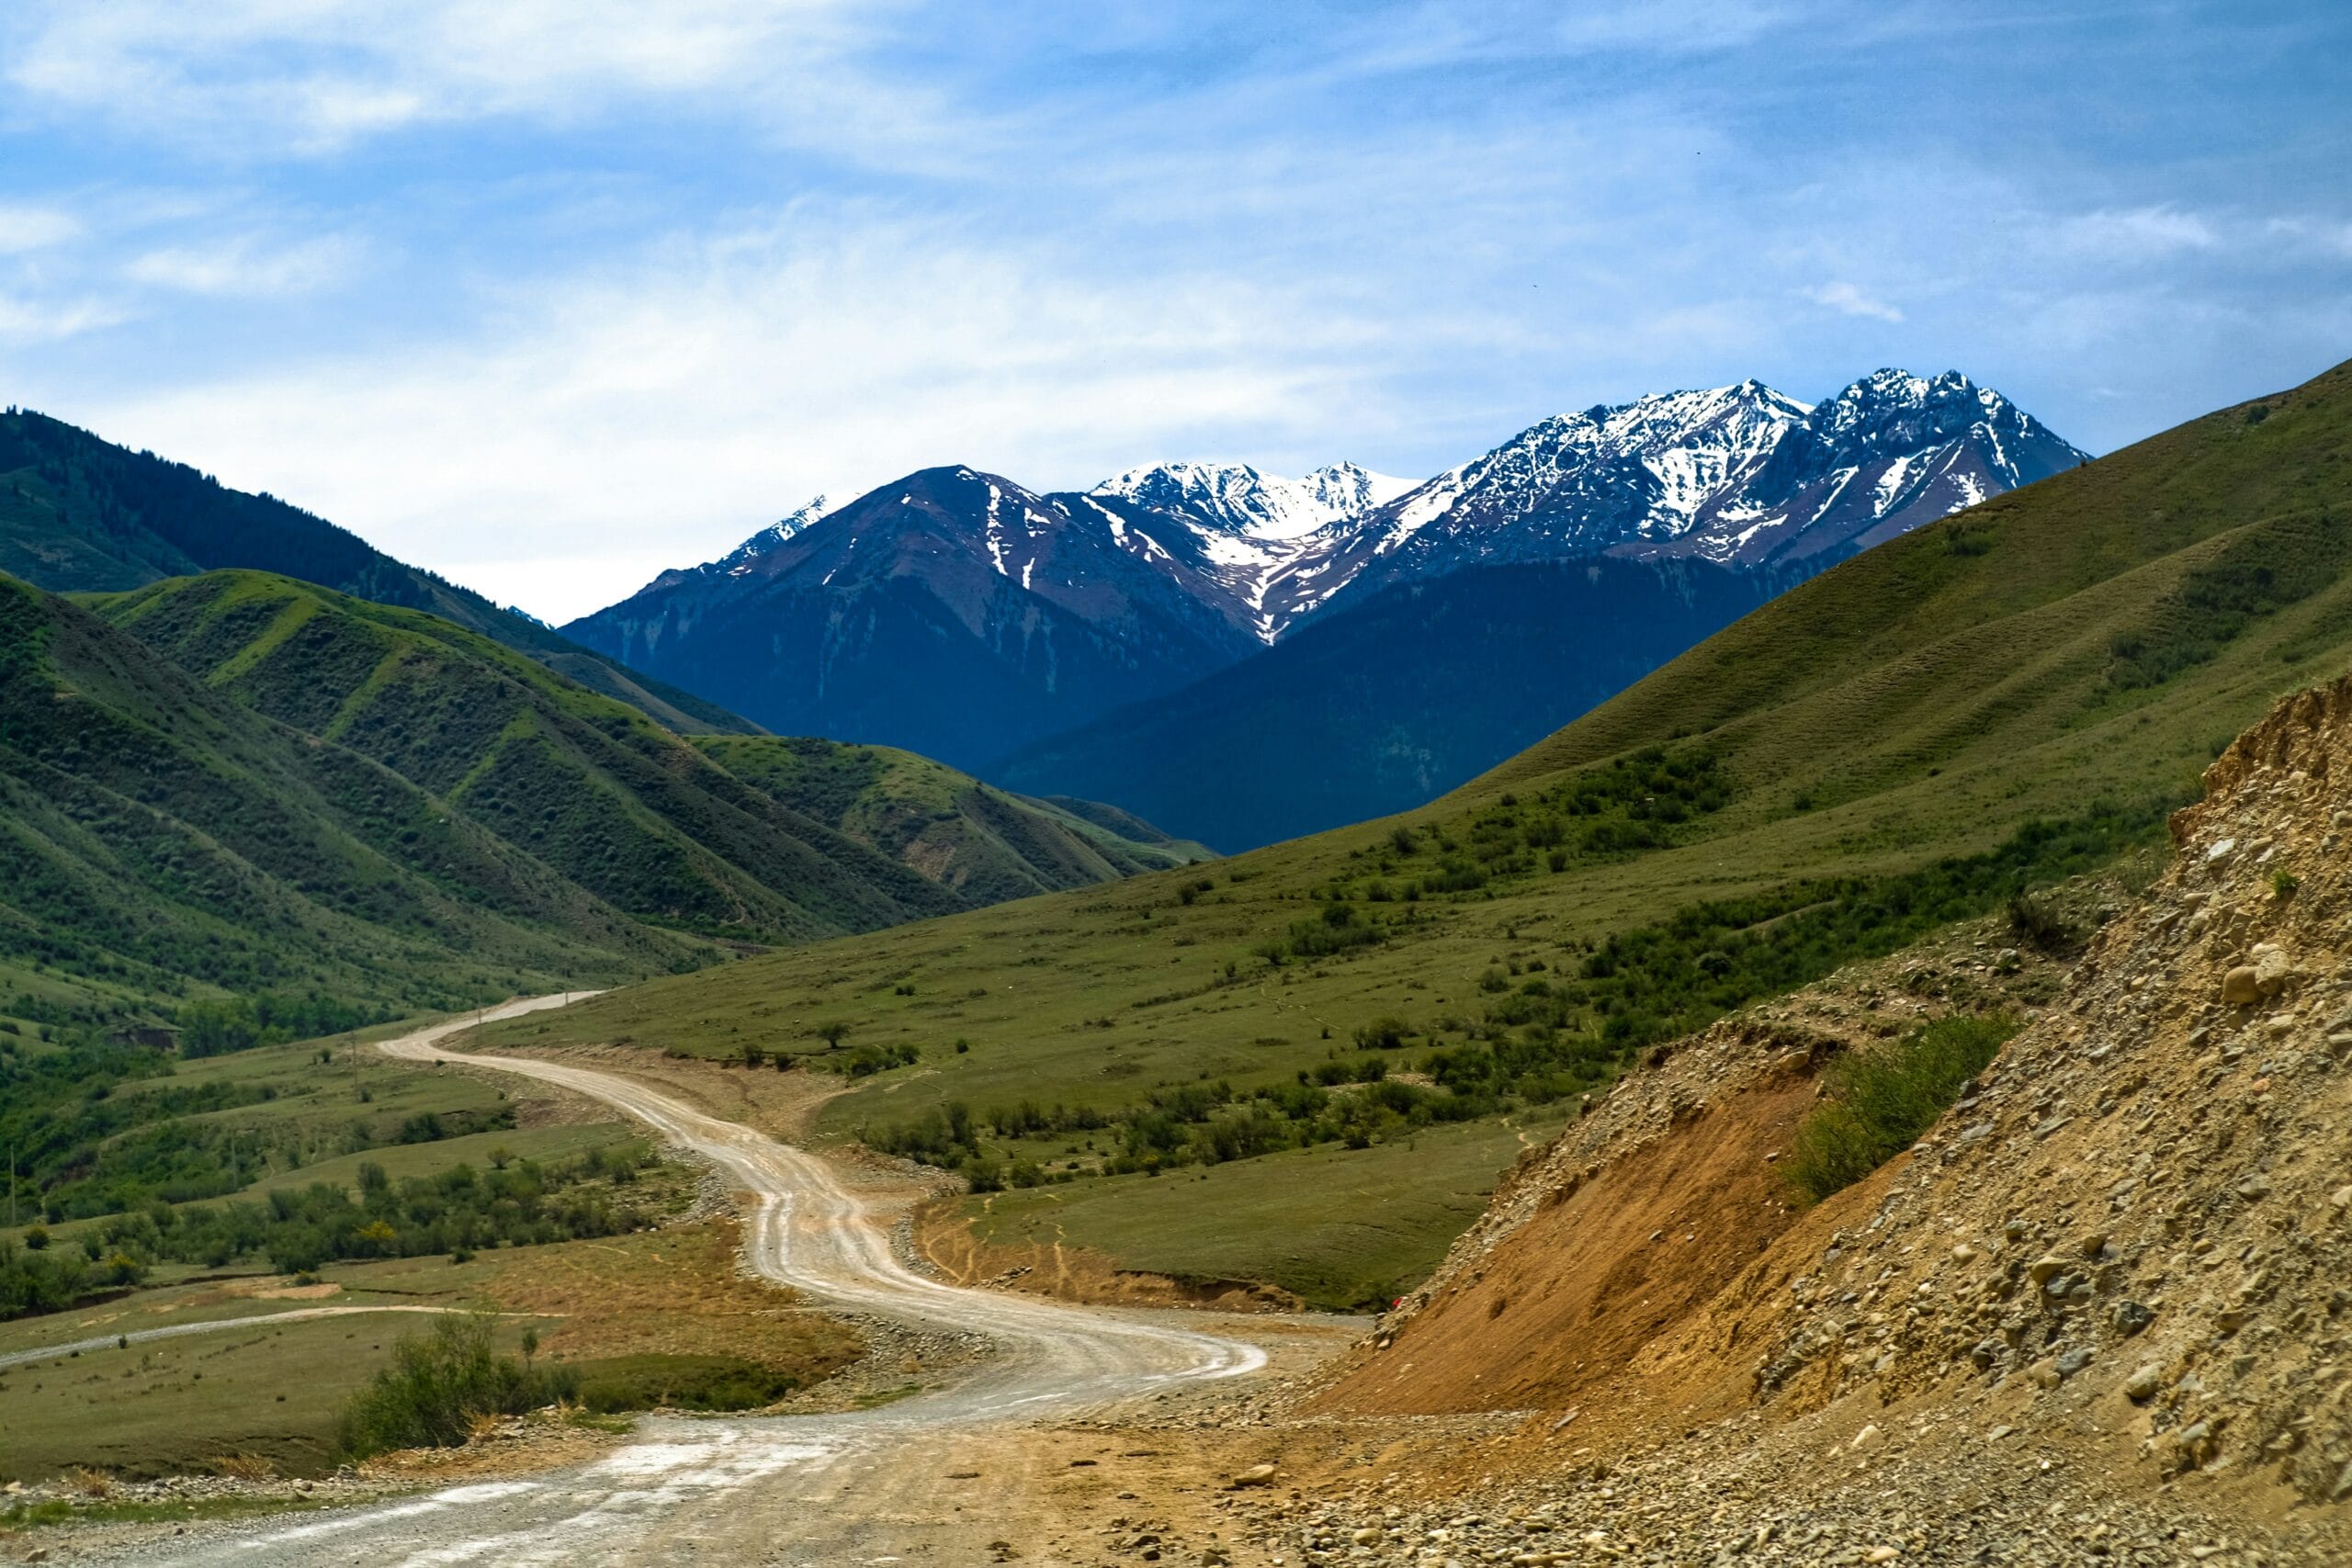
<point x="51" y="321"/>
<point x="681" y="397"/>
<point x="310" y="78"/>
<point x="248" y="267"/>
<point x="26" y="228"/>
<point x="2141" y="233"/>
<point x="1847" y="299"/>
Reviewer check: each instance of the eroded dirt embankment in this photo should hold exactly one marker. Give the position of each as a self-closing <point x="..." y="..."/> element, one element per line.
<point x="2120" y="1268"/>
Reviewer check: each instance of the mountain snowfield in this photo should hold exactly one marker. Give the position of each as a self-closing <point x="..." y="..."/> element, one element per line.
<point x="1241" y="501"/>
<point x="1741" y="476"/>
<point x="1000" y="614"/>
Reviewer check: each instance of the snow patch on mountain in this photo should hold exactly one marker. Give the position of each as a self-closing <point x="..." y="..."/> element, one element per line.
<point x="737" y="561"/>
<point x="1236" y="499"/>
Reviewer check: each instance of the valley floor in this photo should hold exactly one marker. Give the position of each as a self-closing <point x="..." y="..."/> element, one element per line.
<point x="992" y="1426"/>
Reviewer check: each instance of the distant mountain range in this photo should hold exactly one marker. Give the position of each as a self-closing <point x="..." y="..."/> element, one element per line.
<point x="955" y="613"/>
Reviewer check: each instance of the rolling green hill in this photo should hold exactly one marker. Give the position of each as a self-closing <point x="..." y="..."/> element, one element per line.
<point x="2004" y="699"/>
<point x="756" y="838"/>
<point x="81" y="514"/>
<point x="241" y="783"/>
<point x="983" y="843"/>
<point x="160" y="841"/>
<point x="583" y="783"/>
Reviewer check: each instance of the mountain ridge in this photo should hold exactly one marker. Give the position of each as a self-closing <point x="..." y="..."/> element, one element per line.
<point x="79" y="514"/>
<point x="983" y="617"/>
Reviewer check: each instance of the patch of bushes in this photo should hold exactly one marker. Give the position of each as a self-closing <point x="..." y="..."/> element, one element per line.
<point x="678" y="1382"/>
<point x="2261" y="570"/>
<point x="1882" y="1098"/>
<point x="271" y="1018"/>
<point x="458" y="1209"/>
<point x="441" y="1385"/>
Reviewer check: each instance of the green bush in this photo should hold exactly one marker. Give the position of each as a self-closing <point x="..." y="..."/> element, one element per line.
<point x="679" y="1383"/>
<point x="439" y="1384"/>
<point x="1882" y="1098"/>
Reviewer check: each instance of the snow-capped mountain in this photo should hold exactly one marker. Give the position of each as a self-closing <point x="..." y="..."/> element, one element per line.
<point x="952" y="612"/>
<point x="1889" y="453"/>
<point x="1248" y="528"/>
<point x="737" y="561"/>
<point x="1742" y="475"/>
<point x="960" y="615"/>
<point x="1235" y="498"/>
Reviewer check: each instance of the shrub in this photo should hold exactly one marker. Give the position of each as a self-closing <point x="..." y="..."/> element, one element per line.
<point x="439" y="1384"/>
<point x="679" y="1383"/>
<point x="1882" y="1098"/>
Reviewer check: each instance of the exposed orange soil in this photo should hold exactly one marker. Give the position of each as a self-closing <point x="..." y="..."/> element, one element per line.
<point x="1606" y="1265"/>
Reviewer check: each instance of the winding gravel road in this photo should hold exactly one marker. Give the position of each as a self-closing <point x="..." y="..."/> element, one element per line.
<point x="919" y="1480"/>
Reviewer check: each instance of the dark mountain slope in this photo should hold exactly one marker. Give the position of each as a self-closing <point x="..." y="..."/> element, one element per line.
<point x="78" y="513"/>
<point x="1384" y="706"/>
<point x="952" y="612"/>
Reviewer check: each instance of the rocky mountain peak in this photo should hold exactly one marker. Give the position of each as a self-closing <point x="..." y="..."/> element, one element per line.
<point x="1235" y="498"/>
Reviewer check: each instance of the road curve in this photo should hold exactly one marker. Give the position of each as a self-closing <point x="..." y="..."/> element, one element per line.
<point x="813" y="1490"/>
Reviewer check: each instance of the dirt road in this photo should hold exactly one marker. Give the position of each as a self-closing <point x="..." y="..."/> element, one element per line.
<point x="928" y="1479"/>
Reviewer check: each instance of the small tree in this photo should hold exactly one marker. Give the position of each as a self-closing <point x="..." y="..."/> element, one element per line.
<point x="832" y="1033"/>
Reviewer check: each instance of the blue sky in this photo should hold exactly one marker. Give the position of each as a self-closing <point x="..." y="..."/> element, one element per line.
<point x="549" y="295"/>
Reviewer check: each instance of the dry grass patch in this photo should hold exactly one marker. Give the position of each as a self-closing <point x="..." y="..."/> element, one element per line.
<point x="674" y="1292"/>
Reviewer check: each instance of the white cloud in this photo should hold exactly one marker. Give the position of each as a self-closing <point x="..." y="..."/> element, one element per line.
<point x="2328" y="237"/>
<point x="247" y="268"/>
<point x="49" y="321"/>
<point x="311" y="76"/>
<point x="24" y="229"/>
<point x="2139" y="234"/>
<point x="658" y="412"/>
<point x="1847" y="299"/>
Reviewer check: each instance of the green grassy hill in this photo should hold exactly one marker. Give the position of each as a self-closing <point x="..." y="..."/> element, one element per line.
<point x="2004" y="699"/>
<point x="243" y="783"/>
<point x="751" y="837"/>
<point x="984" y="843"/>
<point x="79" y="514"/>
<point x="161" y="842"/>
<point x="583" y="783"/>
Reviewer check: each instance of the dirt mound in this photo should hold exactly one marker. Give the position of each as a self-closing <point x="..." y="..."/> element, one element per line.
<point x="1662" y="1194"/>
<point x="2128" y="1244"/>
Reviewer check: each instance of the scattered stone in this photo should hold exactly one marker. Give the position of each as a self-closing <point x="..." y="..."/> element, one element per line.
<point x="2242" y="987"/>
